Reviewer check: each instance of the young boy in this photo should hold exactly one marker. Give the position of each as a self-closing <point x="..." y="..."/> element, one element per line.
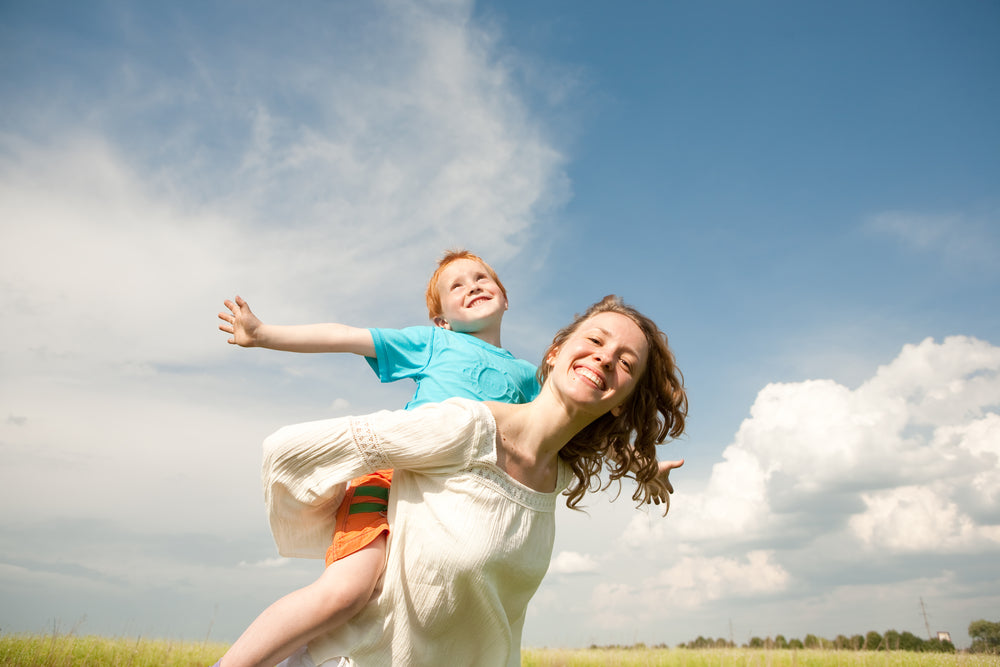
<point x="459" y="356"/>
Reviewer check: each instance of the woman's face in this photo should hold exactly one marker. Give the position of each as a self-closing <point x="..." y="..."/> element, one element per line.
<point x="599" y="364"/>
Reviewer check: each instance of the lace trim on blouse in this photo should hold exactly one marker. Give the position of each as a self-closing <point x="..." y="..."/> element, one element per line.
<point x="368" y="444"/>
<point x="509" y="487"/>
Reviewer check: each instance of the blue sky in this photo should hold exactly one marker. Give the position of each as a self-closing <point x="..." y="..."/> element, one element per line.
<point x="803" y="195"/>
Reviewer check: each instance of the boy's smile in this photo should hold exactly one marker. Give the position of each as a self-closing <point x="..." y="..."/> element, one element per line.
<point x="470" y="299"/>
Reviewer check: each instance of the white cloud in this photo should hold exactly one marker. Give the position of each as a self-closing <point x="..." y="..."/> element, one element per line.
<point x="689" y="583"/>
<point x="571" y="562"/>
<point x="345" y="155"/>
<point x="321" y="187"/>
<point x="910" y="458"/>
<point x="916" y="519"/>
<point x="97" y="270"/>
<point x="695" y="580"/>
<point x="113" y="265"/>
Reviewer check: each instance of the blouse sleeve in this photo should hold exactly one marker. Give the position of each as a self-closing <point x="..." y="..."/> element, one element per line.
<point x="307" y="466"/>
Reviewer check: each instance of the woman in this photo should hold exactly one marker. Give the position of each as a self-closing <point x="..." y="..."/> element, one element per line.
<point x="475" y="489"/>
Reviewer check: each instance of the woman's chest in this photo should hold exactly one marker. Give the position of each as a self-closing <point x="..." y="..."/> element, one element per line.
<point x="475" y="523"/>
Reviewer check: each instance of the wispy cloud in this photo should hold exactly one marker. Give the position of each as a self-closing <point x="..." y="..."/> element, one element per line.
<point x="961" y="241"/>
<point x="320" y="177"/>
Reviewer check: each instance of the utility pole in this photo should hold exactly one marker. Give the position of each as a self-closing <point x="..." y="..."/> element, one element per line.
<point x="927" y="625"/>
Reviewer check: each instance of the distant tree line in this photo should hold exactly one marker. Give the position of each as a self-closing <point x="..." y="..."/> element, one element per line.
<point x="872" y="641"/>
<point x="985" y="639"/>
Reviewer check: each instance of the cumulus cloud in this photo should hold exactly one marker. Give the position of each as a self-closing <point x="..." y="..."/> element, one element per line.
<point x="689" y="583"/>
<point x="914" y="446"/>
<point x="695" y="580"/>
<point x="571" y="562"/>
<point x="918" y="519"/>
<point x="906" y="465"/>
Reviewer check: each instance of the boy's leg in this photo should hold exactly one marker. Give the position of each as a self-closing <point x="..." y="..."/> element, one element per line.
<point x="301" y="616"/>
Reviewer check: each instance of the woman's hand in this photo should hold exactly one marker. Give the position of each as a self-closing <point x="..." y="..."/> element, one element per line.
<point x="663" y="487"/>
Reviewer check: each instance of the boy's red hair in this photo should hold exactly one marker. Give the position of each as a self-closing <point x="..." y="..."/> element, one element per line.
<point x="434" y="296"/>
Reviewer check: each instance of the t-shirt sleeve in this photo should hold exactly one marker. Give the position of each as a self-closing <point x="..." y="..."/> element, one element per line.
<point x="529" y="383"/>
<point x="400" y="353"/>
<point x="306" y="466"/>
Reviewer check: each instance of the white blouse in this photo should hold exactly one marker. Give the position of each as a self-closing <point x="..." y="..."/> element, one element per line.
<point x="468" y="548"/>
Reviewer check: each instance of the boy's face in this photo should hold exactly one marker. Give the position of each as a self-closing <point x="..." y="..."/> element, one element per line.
<point x="470" y="299"/>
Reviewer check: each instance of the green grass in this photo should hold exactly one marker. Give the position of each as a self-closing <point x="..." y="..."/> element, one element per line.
<point x="86" y="651"/>
<point x="73" y="651"/>
<point x="745" y="657"/>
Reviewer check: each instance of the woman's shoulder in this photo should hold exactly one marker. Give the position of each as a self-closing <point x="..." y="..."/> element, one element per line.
<point x="473" y="419"/>
<point x="457" y="407"/>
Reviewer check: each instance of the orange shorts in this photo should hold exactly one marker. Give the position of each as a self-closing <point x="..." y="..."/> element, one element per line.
<point x="362" y="516"/>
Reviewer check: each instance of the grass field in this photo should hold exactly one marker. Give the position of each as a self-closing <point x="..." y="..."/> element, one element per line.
<point x="73" y="651"/>
<point x="745" y="657"/>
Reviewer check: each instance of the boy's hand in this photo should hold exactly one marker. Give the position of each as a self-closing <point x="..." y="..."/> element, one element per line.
<point x="664" y="487"/>
<point x="240" y="322"/>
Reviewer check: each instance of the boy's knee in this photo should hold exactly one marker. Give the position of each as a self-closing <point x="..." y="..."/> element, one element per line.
<point x="345" y="588"/>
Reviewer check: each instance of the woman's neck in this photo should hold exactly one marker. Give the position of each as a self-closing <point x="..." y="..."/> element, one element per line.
<point x="529" y="437"/>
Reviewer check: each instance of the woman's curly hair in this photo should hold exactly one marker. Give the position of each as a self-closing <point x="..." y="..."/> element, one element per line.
<point x="654" y="411"/>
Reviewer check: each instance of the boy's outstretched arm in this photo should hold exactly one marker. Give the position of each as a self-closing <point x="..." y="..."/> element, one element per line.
<point x="248" y="331"/>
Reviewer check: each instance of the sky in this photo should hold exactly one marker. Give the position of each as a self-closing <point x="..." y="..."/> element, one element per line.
<point x="804" y="196"/>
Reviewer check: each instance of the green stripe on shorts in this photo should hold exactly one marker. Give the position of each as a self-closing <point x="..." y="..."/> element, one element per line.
<point x="373" y="491"/>
<point x="361" y="508"/>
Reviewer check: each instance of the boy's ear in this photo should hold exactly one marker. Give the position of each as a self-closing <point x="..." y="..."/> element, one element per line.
<point x="441" y="322"/>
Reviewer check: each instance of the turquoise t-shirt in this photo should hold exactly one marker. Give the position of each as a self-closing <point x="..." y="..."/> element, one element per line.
<point x="445" y="364"/>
